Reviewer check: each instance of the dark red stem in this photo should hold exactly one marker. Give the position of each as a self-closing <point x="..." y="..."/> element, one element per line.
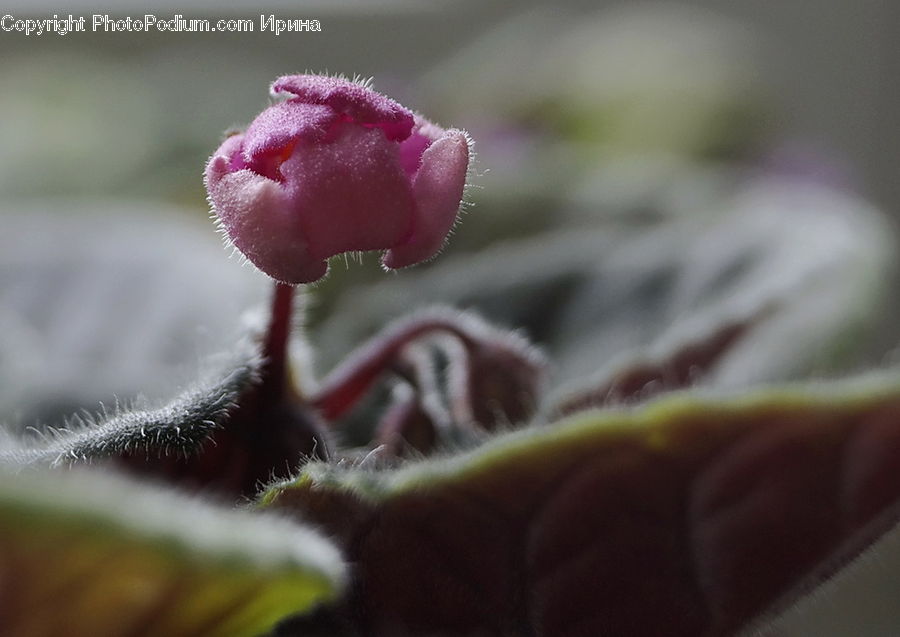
<point x="346" y="384"/>
<point x="275" y="369"/>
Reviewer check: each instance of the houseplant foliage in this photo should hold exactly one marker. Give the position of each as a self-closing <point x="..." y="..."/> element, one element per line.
<point x="649" y="493"/>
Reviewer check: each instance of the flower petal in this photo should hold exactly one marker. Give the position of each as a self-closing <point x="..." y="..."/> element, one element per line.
<point x="438" y="190"/>
<point x="258" y="219"/>
<point x="411" y="149"/>
<point x="350" y="194"/>
<point x="230" y="151"/>
<point x="283" y="124"/>
<point x="350" y="98"/>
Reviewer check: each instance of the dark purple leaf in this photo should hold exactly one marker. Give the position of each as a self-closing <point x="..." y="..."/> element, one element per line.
<point x="689" y="515"/>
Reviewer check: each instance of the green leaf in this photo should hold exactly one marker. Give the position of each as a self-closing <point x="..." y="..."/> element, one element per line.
<point x="87" y="554"/>
<point x="688" y="515"/>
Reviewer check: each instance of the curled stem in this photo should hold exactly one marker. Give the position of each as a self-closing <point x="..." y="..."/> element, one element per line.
<point x="345" y="385"/>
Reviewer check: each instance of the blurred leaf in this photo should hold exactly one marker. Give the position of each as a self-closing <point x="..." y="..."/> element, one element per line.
<point x="643" y="378"/>
<point x="178" y="428"/>
<point x="810" y="271"/>
<point x="108" y="299"/>
<point x="84" y="554"/>
<point x="689" y="515"/>
<point x="114" y="301"/>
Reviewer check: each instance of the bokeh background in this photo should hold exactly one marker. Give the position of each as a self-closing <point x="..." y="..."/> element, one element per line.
<point x="647" y="174"/>
<point x="617" y="143"/>
<point x="828" y="69"/>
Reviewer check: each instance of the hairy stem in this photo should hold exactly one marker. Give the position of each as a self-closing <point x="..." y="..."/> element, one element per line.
<point x="345" y="385"/>
<point x="275" y="372"/>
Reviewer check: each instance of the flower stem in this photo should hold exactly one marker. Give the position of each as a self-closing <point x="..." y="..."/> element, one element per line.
<point x="344" y="386"/>
<point x="275" y="373"/>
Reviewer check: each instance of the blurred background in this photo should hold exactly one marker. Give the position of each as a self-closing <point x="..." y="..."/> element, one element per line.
<point x="706" y="188"/>
<point x="645" y="170"/>
<point x="826" y="69"/>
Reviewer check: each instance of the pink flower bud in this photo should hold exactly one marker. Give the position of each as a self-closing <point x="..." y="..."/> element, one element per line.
<point x="334" y="168"/>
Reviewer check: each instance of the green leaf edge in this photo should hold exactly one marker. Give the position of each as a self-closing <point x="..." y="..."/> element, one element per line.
<point x="651" y="420"/>
<point x="296" y="568"/>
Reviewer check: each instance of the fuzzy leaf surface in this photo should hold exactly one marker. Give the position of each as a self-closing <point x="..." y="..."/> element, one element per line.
<point x="178" y="427"/>
<point x="691" y="514"/>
